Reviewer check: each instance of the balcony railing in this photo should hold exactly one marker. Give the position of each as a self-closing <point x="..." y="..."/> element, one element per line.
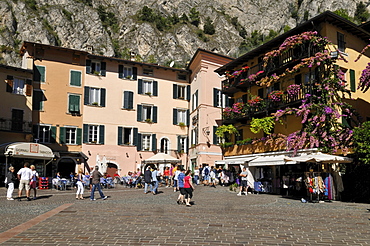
<point x="243" y="111"/>
<point x="281" y="62"/>
<point x="15" y="126"/>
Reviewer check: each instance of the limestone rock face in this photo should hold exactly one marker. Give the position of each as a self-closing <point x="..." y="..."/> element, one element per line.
<point x="112" y="27"/>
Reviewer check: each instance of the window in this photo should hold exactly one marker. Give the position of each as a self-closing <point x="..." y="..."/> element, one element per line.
<point x="75" y="78"/>
<point x="126" y="135"/>
<point x="125" y="72"/>
<point x="194" y="100"/>
<point x="164" y="145"/>
<point x="17" y="120"/>
<point x="194" y="136"/>
<point x="309" y="78"/>
<point x="44" y="133"/>
<point x="39" y="74"/>
<point x="181" y="92"/>
<point x="18" y="86"/>
<point x="38" y="100"/>
<point x="96" y="67"/>
<point x="148" y="71"/>
<point x="352" y="80"/>
<point x="93" y="134"/>
<point x="180" y="116"/>
<point x="148" y="87"/>
<point x="147" y="113"/>
<point x="341" y="42"/>
<point x="71" y="135"/>
<point x="128" y="100"/>
<point x="182" y="144"/>
<point x="74" y="103"/>
<point x="216" y="139"/>
<point x="146" y="141"/>
<point x="94" y="96"/>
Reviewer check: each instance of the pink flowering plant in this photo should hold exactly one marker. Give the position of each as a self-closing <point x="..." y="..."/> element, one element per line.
<point x="293" y="90"/>
<point x="276" y="96"/>
<point x="237" y="110"/>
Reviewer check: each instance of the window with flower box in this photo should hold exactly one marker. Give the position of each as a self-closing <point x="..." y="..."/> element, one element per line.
<point x="93" y="134"/>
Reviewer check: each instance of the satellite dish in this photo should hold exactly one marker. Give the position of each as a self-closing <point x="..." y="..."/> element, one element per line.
<point x="172" y="63"/>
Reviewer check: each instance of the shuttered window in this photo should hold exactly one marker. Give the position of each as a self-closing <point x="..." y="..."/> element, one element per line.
<point x="75" y="78"/>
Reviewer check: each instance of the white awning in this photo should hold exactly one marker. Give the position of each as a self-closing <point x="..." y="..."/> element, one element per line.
<point x="240" y="161"/>
<point x="161" y="158"/>
<point x="320" y="157"/>
<point x="27" y="150"/>
<point x="270" y="161"/>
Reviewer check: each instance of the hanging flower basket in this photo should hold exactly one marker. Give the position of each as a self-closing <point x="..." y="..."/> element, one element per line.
<point x="293" y="90"/>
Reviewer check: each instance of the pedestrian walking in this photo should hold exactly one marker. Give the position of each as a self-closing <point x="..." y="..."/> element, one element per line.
<point x="80" y="185"/>
<point x="155" y="181"/>
<point x="188" y="188"/>
<point x="148" y="180"/>
<point x="9" y="183"/>
<point x="24" y="175"/>
<point x="33" y="183"/>
<point x="175" y="178"/>
<point x="244" y="182"/>
<point x="96" y="175"/>
<point x="196" y="175"/>
<point x="180" y="185"/>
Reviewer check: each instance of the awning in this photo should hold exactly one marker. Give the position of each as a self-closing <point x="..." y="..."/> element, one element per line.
<point x="270" y="161"/>
<point x="161" y="158"/>
<point x="320" y="157"/>
<point x="240" y="161"/>
<point x="27" y="150"/>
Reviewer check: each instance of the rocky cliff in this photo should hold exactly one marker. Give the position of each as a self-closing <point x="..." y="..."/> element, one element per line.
<point x="155" y="31"/>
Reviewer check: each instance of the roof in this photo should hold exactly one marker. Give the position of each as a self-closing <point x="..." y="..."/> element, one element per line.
<point x="199" y="50"/>
<point x="16" y="68"/>
<point x="310" y="25"/>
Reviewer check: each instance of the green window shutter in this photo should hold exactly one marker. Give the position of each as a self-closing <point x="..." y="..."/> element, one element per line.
<point x="352" y="80"/>
<point x="101" y="134"/>
<point x="134" y="73"/>
<point x="39" y="74"/>
<point x="86" y="95"/>
<point x="120" y="71"/>
<point x="88" y="66"/>
<point x="215" y="92"/>
<point x="131" y="100"/>
<point x="85" y="137"/>
<point x="196" y="101"/>
<point x="188" y="93"/>
<point x="79" y="136"/>
<point x="139" y="145"/>
<point x="126" y="99"/>
<point x="139" y="112"/>
<point x="154" y="142"/>
<point x="103" y="69"/>
<point x="75" y="78"/>
<point x="102" y="97"/>
<point x="214" y="135"/>
<point x="53" y="134"/>
<point x="155" y="88"/>
<point x="174" y="116"/>
<point x="155" y="114"/>
<point x="188" y="117"/>
<point x="174" y="91"/>
<point x="178" y="144"/>
<point x="62" y="135"/>
<point x="135" y="136"/>
<point x="119" y="142"/>
<point x="74" y="103"/>
<point x="140" y="86"/>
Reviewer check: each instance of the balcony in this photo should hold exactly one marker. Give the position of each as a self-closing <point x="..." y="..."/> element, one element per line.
<point x="15" y="125"/>
<point x="260" y="107"/>
<point x="247" y="149"/>
<point x="245" y="78"/>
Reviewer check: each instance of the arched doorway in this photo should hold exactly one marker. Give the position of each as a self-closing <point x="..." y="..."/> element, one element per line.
<point x="111" y="168"/>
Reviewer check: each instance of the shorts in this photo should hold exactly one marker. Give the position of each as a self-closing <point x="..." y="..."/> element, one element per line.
<point x="33" y="184"/>
<point x="244" y="183"/>
<point x="24" y="184"/>
<point x="182" y="191"/>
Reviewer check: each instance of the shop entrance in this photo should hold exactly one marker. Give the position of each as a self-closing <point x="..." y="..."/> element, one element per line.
<point x="66" y="166"/>
<point x="112" y="169"/>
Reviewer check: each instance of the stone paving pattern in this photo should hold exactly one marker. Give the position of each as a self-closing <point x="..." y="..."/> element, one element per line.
<point x="218" y="217"/>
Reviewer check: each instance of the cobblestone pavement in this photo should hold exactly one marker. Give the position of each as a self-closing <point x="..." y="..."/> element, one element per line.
<point x="218" y="217"/>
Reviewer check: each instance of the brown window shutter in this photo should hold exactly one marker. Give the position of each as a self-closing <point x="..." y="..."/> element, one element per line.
<point x="28" y="90"/>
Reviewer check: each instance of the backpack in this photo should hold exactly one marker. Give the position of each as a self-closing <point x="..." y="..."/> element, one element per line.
<point x="206" y="171"/>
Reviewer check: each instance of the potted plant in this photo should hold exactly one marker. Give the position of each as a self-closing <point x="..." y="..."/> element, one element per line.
<point x="275" y="96"/>
<point x="148" y="93"/>
<point x="95" y="104"/>
<point x="148" y="121"/>
<point x="128" y="77"/>
<point x="181" y="124"/>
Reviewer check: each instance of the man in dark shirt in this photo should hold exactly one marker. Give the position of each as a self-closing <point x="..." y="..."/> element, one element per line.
<point x="148" y="180"/>
<point x="96" y="175"/>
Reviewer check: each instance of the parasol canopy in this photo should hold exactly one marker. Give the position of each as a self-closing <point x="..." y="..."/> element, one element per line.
<point x="320" y="157"/>
<point x="161" y="158"/>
